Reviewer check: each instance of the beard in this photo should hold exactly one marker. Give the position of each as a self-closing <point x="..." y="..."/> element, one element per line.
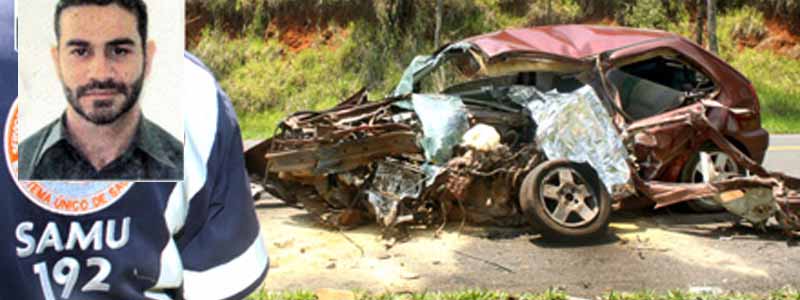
<point x="102" y="112"/>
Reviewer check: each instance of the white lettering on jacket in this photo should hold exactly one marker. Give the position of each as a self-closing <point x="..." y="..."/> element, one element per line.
<point x="103" y="233"/>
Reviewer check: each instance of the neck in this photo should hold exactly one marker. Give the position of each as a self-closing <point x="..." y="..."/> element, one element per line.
<point x="102" y="144"/>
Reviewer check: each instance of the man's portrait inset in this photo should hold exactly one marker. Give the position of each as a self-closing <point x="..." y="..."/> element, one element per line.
<point x="97" y="126"/>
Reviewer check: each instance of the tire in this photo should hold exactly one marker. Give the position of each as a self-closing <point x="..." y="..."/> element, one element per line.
<point x="692" y="172"/>
<point x="565" y="201"/>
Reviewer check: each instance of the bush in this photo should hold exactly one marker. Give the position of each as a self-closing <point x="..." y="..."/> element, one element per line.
<point x="748" y="25"/>
<point x="561" y="12"/>
<point x="223" y="54"/>
<point x="646" y="14"/>
<point x="739" y="26"/>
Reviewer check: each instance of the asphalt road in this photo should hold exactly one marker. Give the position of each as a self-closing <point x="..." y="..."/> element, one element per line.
<point x="783" y="154"/>
<point x="662" y="250"/>
<point x="653" y="250"/>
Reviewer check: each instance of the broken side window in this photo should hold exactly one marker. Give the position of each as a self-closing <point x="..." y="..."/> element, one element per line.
<point x="668" y="72"/>
<point x="657" y="85"/>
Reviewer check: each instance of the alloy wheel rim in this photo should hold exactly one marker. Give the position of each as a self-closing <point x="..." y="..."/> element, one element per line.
<point x="567" y="198"/>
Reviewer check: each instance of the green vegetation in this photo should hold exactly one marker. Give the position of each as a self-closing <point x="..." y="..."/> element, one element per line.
<point x="780" y="294"/>
<point x="776" y="81"/>
<point x="263" y="76"/>
<point x="747" y="24"/>
<point x="647" y="14"/>
<point x="359" y="43"/>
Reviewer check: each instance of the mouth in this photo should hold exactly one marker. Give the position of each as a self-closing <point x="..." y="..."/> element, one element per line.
<point x="101" y="93"/>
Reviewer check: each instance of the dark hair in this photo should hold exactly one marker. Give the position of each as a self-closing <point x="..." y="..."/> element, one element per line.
<point x="137" y="7"/>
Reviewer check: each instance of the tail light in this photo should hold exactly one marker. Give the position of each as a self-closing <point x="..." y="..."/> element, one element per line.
<point x="750" y="118"/>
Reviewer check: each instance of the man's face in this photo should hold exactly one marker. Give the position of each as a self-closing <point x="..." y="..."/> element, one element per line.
<point x="101" y="61"/>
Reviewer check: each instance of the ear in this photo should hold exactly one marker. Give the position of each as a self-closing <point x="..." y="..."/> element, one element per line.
<point x="151" y="52"/>
<point x="56" y="62"/>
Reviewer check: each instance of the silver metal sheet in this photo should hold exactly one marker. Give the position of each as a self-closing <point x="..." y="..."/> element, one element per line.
<point x="444" y="122"/>
<point x="575" y="126"/>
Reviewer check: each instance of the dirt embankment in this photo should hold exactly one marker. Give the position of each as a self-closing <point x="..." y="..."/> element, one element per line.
<point x="296" y="26"/>
<point x="305" y="24"/>
<point x="779" y="38"/>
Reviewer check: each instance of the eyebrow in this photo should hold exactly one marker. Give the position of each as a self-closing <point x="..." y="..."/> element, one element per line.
<point x="114" y="42"/>
<point x="77" y="43"/>
<point x="121" y="42"/>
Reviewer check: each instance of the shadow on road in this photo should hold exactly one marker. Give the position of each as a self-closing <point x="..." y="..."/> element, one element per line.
<point x="606" y="239"/>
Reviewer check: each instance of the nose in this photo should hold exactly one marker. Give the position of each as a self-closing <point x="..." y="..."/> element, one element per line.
<point x="101" y="68"/>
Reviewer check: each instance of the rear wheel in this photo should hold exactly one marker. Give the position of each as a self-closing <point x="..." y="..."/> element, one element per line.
<point x="709" y="165"/>
<point x="565" y="200"/>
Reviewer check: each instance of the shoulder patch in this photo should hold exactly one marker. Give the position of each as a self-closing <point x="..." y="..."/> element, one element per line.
<point x="60" y="197"/>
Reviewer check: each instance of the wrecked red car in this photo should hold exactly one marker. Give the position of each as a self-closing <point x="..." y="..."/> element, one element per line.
<point x="551" y="126"/>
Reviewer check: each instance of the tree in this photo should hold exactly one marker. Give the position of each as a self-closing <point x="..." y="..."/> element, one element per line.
<point x="712" y="26"/>
<point x="647" y="14"/>
<point x="400" y="13"/>
<point x="439" y="75"/>
<point x="698" y="21"/>
<point x="437" y="33"/>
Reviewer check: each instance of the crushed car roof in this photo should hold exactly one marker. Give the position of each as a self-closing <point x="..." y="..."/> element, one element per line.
<point x="572" y="41"/>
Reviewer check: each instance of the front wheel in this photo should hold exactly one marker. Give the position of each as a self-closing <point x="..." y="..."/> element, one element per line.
<point x="565" y="200"/>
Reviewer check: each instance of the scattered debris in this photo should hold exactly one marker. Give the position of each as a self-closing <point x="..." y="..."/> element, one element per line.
<point x="360" y="249"/>
<point x="499" y="266"/>
<point x="409" y="275"/>
<point x="284" y="243"/>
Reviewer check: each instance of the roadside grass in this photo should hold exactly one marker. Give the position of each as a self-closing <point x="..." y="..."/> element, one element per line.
<point x="777" y="82"/>
<point x="475" y="294"/>
<point x="259" y="125"/>
<point x="266" y="81"/>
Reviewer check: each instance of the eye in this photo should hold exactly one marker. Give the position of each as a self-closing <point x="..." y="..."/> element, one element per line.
<point x="120" y="51"/>
<point x="80" y="52"/>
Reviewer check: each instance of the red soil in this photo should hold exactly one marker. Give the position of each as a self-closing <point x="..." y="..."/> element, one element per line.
<point x="780" y="39"/>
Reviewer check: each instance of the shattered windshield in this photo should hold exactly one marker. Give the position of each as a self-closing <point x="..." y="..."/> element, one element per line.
<point x="432" y="73"/>
<point x="455" y="70"/>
